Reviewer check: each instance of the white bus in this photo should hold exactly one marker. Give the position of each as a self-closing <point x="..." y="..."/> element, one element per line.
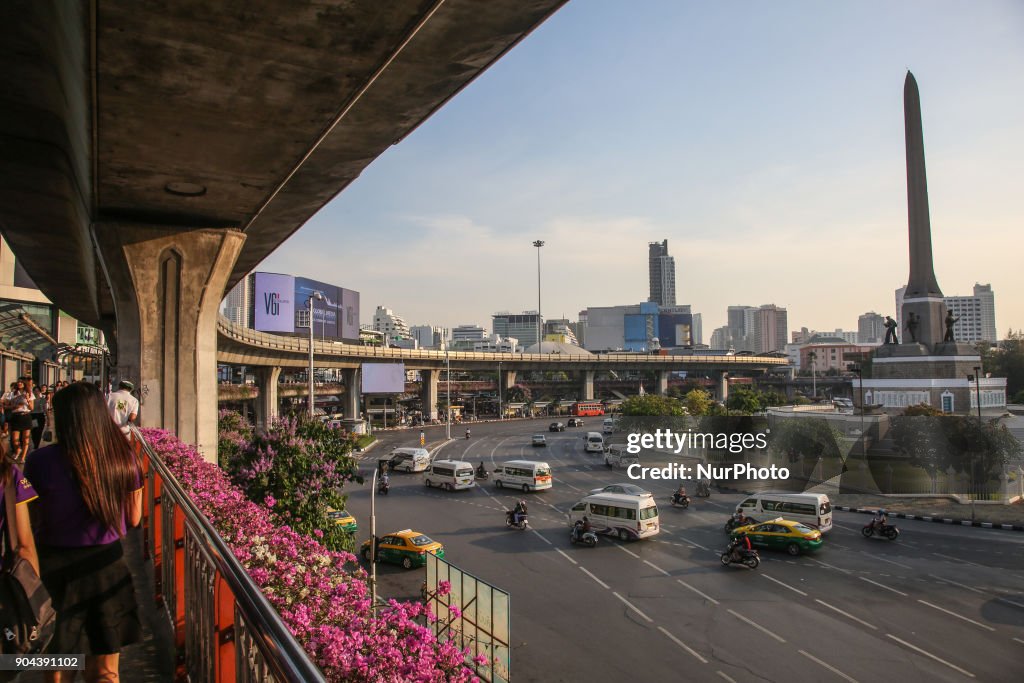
<point x="451" y="475"/>
<point x="528" y="475"/>
<point x="630" y="517"/>
<point x="812" y="509"/>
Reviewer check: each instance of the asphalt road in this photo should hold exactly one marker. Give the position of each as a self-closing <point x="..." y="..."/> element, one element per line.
<point x="942" y="603"/>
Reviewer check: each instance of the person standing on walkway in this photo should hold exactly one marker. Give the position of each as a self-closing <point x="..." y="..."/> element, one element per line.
<point x="21" y="421"/>
<point x="90" y="490"/>
<point x="123" y="407"/>
<point x="39" y="410"/>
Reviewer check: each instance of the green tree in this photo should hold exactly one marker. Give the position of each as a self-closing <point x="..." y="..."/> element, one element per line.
<point x="652" y="405"/>
<point x="810" y="437"/>
<point x="698" y="402"/>
<point x="518" y="393"/>
<point x="1006" y="360"/>
<point x="745" y="401"/>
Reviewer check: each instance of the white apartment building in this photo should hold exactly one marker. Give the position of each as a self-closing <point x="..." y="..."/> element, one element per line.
<point x="390" y="323"/>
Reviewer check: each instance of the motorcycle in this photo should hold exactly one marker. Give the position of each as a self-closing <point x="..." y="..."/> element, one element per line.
<point x="383" y="487"/>
<point x="681" y="501"/>
<point x="743" y="556"/>
<point x="467" y="434"/>
<point x="703" y="490"/>
<point x="482" y="474"/>
<point x="577" y="535"/>
<point x="522" y="525"/>
<point x="733" y="523"/>
<point x="886" y="530"/>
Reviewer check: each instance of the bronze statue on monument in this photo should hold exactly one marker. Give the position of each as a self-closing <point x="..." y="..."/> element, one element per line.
<point x="950" y="321"/>
<point x="913" y="322"/>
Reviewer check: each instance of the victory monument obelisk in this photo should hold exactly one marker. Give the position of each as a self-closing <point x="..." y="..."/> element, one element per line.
<point x="928" y="366"/>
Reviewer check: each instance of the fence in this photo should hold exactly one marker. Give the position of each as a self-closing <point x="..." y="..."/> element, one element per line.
<point x="224" y="628"/>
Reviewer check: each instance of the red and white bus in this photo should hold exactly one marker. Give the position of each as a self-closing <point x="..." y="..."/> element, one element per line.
<point x="588" y="408"/>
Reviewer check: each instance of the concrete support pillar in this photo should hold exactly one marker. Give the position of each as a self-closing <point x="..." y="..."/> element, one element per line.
<point x="587" y="386"/>
<point x="268" y="404"/>
<point x="428" y="392"/>
<point x="350" y="401"/>
<point x="662" y="386"/>
<point x="508" y="378"/>
<point x="167" y="284"/>
<point x="721" y="378"/>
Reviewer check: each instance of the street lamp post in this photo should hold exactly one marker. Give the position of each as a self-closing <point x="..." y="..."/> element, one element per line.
<point x="448" y="400"/>
<point x="814" y="374"/>
<point x="320" y="297"/>
<point x="863" y="437"/>
<point x="501" y="414"/>
<point x="538" y="244"/>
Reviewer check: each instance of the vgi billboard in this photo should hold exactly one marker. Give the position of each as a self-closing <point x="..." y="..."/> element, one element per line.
<point x="281" y="304"/>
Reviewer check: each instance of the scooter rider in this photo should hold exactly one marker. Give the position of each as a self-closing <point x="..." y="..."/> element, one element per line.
<point x="581" y="527"/>
<point x="518" y="511"/>
<point x="467" y="432"/>
<point x="480" y="471"/>
<point x="680" y="495"/>
<point x="880" y="519"/>
<point x="738" y="543"/>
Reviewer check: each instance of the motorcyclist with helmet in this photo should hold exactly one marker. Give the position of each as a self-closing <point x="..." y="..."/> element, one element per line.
<point x="880" y="519"/>
<point x="741" y="542"/>
<point x="680" y="495"/>
<point x="518" y="512"/>
<point x="581" y="527"/>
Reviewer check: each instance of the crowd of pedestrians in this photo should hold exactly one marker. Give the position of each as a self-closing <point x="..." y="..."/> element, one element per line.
<point x="75" y="500"/>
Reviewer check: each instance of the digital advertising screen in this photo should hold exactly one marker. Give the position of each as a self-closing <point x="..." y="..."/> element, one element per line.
<point x="274" y="303"/>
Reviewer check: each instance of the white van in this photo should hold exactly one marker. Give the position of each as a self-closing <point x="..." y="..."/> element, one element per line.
<point x="811" y="509"/>
<point x="630" y="517"/>
<point x="617" y="456"/>
<point x="608" y="426"/>
<point x="528" y="475"/>
<point x="593" y="443"/>
<point x="451" y="475"/>
<point x="409" y="459"/>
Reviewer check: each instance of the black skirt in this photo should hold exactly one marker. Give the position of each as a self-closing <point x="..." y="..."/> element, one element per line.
<point x="93" y="596"/>
<point x="21" y="422"/>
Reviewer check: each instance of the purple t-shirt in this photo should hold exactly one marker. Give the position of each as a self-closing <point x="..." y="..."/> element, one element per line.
<point x="62" y="518"/>
<point x="23" y="493"/>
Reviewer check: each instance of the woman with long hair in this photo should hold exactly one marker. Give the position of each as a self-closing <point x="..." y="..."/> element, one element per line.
<point x="23" y="493"/>
<point x="90" y="489"/>
<point x="21" y="420"/>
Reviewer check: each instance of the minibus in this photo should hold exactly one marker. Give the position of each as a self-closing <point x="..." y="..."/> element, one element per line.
<point x="630" y="517"/>
<point x="812" y="509"/>
<point x="593" y="443"/>
<point x="410" y="459"/>
<point x="528" y="475"/>
<point x="450" y="475"/>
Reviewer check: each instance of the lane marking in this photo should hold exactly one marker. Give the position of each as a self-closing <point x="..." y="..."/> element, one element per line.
<point x="627" y="551"/>
<point x="633" y="607"/>
<point x="830" y="566"/>
<point x="726" y="676"/>
<point x="846" y="614"/>
<point x="691" y="542"/>
<point x="957" y="559"/>
<point x="563" y="482"/>
<point x="541" y="537"/>
<point x="703" y="595"/>
<point x="585" y="571"/>
<point x="970" y="588"/>
<point x="958" y="616"/>
<point x="562" y="553"/>
<point x="831" y="668"/>
<point x="682" y="645"/>
<point x="784" y="585"/>
<point x="651" y="564"/>
<point x="757" y="626"/>
<point x="843" y="526"/>
<point x="1019" y="641"/>
<point x="929" y="654"/>
<point x="883" y="586"/>
<point x="876" y="557"/>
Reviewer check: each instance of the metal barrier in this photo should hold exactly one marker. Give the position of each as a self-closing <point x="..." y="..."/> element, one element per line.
<point x="224" y="627"/>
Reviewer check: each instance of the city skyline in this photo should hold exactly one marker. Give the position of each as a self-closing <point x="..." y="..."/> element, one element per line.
<point x="765" y="143"/>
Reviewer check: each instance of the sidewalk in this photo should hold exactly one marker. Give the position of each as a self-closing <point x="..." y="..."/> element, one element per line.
<point x="936" y="509"/>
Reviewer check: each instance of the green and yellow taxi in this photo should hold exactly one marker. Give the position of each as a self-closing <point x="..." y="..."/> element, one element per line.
<point x="344" y="519"/>
<point x="407" y="547"/>
<point x="781" y="534"/>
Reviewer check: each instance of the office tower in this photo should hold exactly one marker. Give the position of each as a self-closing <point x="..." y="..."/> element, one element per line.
<point x="662" y="271"/>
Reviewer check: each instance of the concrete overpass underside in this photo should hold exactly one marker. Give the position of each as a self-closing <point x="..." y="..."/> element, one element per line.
<point x="156" y="152"/>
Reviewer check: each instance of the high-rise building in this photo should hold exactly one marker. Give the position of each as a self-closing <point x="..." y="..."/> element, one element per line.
<point x="870" y="328"/>
<point x="741" y="321"/>
<point x="562" y="327"/>
<point x="468" y="333"/>
<point x="390" y="323"/>
<point x="720" y="338"/>
<point x="522" y="326"/>
<point x="976" y="315"/>
<point x="429" y="336"/>
<point x="238" y="302"/>
<point x="770" y="329"/>
<point x="662" y="271"/>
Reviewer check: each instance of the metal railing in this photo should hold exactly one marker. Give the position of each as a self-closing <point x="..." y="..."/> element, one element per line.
<point x="249" y="337"/>
<point x="224" y="627"/>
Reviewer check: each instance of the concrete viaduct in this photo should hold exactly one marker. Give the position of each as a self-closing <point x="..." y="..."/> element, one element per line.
<point x="269" y="353"/>
<point x="154" y="154"/>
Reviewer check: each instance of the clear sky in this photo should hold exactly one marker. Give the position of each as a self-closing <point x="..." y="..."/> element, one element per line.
<point x="764" y="140"/>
